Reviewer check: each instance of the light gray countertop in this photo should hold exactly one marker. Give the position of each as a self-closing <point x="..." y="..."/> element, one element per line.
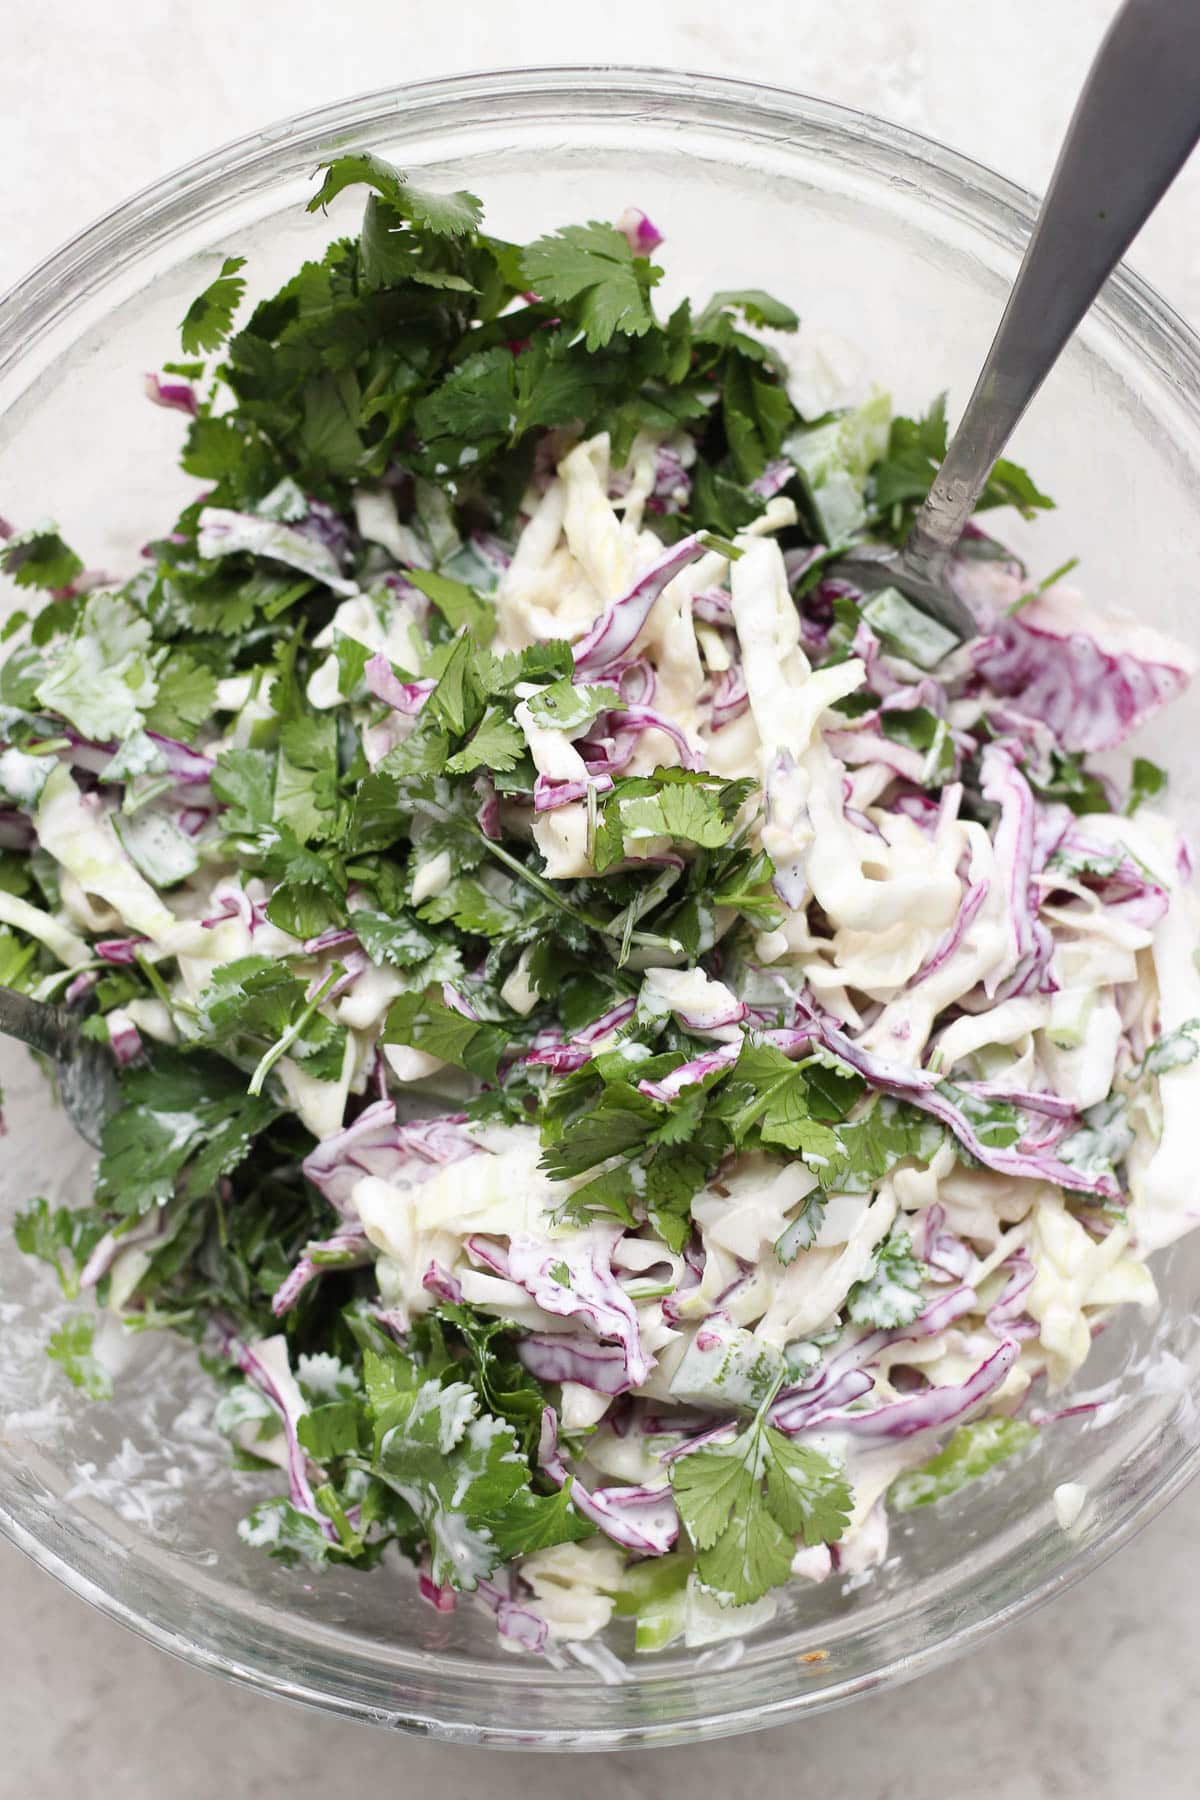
<point x="1093" y="1697"/>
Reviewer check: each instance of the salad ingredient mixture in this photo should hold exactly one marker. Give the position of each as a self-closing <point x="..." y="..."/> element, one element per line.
<point x="638" y="1059"/>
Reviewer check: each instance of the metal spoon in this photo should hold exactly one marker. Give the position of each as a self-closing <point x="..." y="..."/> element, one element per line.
<point x="87" y="1077"/>
<point x="1135" y="123"/>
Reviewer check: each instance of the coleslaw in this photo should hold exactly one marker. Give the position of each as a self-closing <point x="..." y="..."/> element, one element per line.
<point x="639" y="1060"/>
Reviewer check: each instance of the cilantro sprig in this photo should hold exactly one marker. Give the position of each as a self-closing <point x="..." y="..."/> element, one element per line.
<point x="745" y="1501"/>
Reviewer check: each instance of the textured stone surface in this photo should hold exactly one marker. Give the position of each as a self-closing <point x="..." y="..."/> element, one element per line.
<point x="1095" y="1696"/>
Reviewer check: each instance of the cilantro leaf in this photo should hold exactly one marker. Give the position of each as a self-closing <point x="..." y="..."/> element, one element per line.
<point x="532" y="1521"/>
<point x="506" y="1387"/>
<point x="209" y="319"/>
<point x="891" y="1294"/>
<point x="445" y="215"/>
<point x="63" y="1236"/>
<point x="258" y="999"/>
<point x="186" y="697"/>
<point x="696" y="808"/>
<point x="745" y="1502"/>
<point x="915" y="447"/>
<point x="292" y="1537"/>
<point x="496" y="744"/>
<point x="40" y="559"/>
<point x="801" y="1232"/>
<point x="424" y="1022"/>
<point x="401" y="942"/>
<point x="453" y="1467"/>
<point x="244" y="782"/>
<point x="1147" y="781"/>
<point x="460" y="606"/>
<point x="71" y="1347"/>
<point x="567" y="706"/>
<point x="592" y="271"/>
<point x="187" y="1119"/>
<point x="620" y="1119"/>
<point x="758" y="308"/>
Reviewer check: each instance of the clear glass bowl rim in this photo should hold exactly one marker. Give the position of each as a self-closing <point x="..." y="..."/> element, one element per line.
<point x="87" y="262"/>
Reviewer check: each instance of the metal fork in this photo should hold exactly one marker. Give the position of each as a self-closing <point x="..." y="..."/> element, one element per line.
<point x="1135" y="123"/>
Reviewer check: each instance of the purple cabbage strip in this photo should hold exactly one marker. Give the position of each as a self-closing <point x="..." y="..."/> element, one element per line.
<point x="1128" y="889"/>
<point x="716" y="1019"/>
<point x="672" y="489"/>
<point x="549" y="793"/>
<point x="930" y="1410"/>
<point x="236" y="904"/>
<point x="950" y="939"/>
<point x="1006" y="1317"/>
<point x="618" y="627"/>
<point x="870" y="746"/>
<point x="124" y="1039"/>
<point x="191" y="768"/>
<point x="921" y="809"/>
<point x="406" y="697"/>
<point x="688" y="1073"/>
<point x="562" y="1059"/>
<point x="1091" y="697"/>
<point x="458" y="1002"/>
<point x="921" y="1088"/>
<point x="376" y="1145"/>
<point x="339" y="938"/>
<point x="614" y="736"/>
<point x="794" y="1413"/>
<point x="325" y="526"/>
<point x="714" y="607"/>
<point x="113" y="1243"/>
<point x="868" y="648"/>
<point x="442" y="1599"/>
<point x="773" y="479"/>
<point x="640" y="1519"/>
<point x="355" y="964"/>
<point x="607" y="1023"/>
<point x="570" y="1356"/>
<point x="798" y="1403"/>
<point x="730" y="696"/>
<point x="640" y="233"/>
<point x="442" y="1285"/>
<point x="257" y="1373"/>
<point x="550" y="1050"/>
<point x="1004" y="785"/>
<point x="349" y="1239"/>
<point x="638" y="719"/>
<point x="943" y="1252"/>
<point x="592" y="1292"/>
<point x="711" y="1434"/>
<point x="179" y="396"/>
<point x="693" y="1275"/>
<point x="192" y="819"/>
<point x="1032" y="974"/>
<point x="1034" y="1100"/>
<point x="120" y="951"/>
<point x="520" y="1624"/>
<point x="488" y="815"/>
<point x="636" y="682"/>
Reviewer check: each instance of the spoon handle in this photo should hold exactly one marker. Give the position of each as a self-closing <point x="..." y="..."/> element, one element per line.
<point x="42" y="1027"/>
<point x="1134" y="126"/>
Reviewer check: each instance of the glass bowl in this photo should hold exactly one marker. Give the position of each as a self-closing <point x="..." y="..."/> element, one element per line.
<point x="907" y="250"/>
